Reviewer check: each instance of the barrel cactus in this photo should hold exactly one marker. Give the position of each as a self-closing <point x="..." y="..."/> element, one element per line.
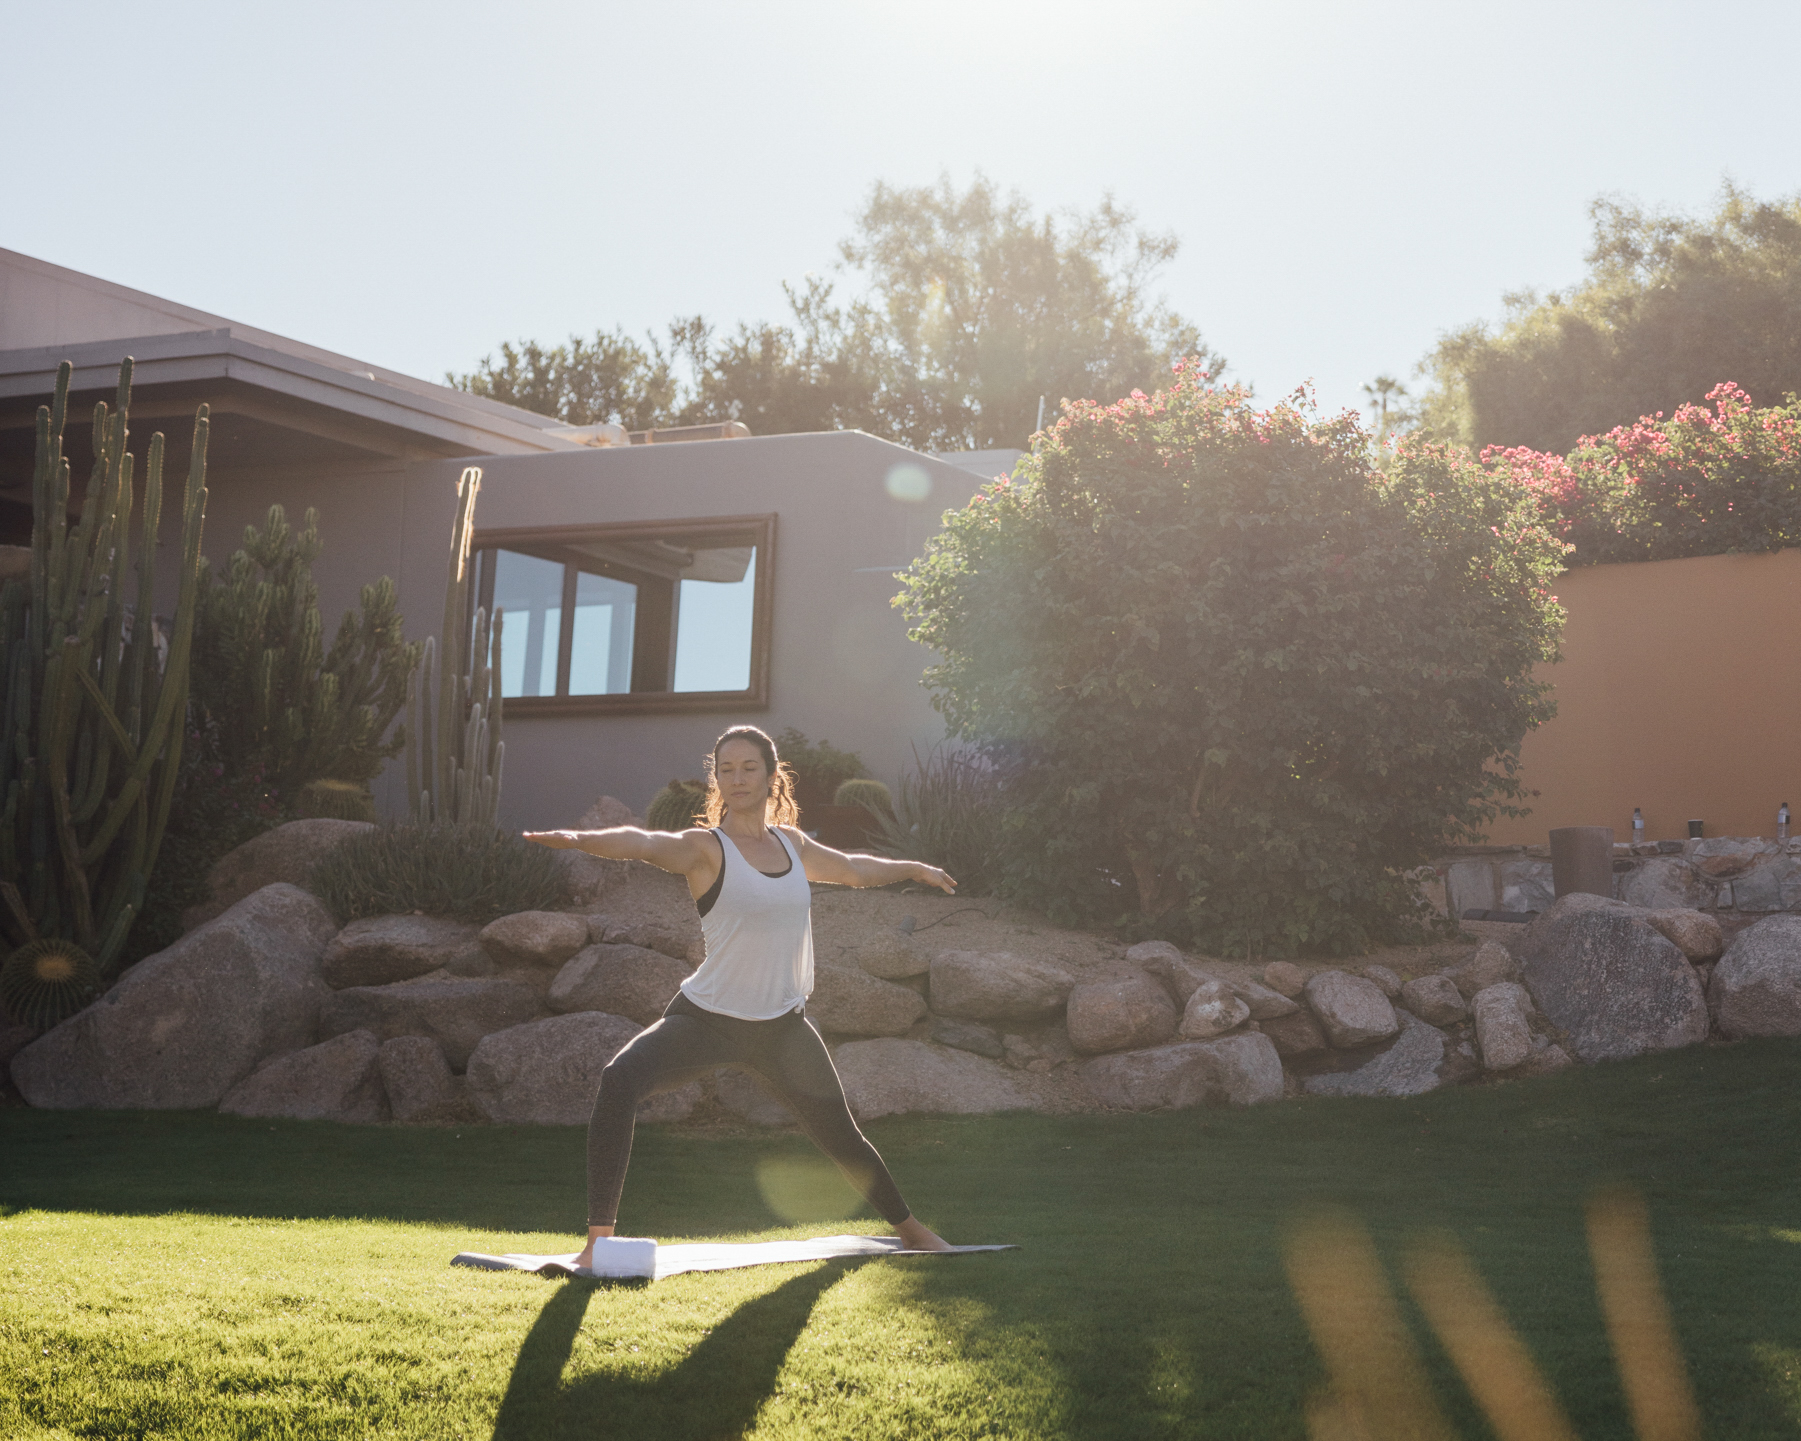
<point x="47" y="981"/>
<point x="872" y="795"/>
<point x="677" y="806"/>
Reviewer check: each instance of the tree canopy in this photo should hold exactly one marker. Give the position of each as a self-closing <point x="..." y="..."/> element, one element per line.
<point x="966" y="308"/>
<point x="1670" y="308"/>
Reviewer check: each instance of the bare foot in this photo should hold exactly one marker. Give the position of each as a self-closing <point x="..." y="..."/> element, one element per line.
<point x="918" y="1238"/>
<point x="586" y="1259"/>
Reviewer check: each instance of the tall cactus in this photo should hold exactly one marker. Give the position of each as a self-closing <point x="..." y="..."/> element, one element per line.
<point x="93" y="716"/>
<point x="454" y="759"/>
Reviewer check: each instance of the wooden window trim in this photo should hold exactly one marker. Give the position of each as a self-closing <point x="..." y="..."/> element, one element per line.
<point x="755" y="697"/>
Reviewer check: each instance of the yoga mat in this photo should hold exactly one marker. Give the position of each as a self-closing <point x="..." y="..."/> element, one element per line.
<point x="710" y="1256"/>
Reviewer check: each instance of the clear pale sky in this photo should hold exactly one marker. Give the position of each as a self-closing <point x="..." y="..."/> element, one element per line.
<point x="412" y="183"/>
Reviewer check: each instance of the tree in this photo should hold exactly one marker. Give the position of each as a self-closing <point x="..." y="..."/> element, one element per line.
<point x="1670" y="308"/>
<point x="1236" y="683"/>
<point x="1384" y="392"/>
<point x="973" y="309"/>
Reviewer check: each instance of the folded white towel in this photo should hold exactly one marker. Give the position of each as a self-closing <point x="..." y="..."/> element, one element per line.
<point x="623" y="1256"/>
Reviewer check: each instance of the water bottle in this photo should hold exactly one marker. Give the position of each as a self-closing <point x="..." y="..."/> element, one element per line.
<point x="1638" y="827"/>
<point x="1782" y="822"/>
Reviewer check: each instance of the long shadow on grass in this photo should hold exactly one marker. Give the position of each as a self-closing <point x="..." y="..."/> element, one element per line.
<point x="716" y="1391"/>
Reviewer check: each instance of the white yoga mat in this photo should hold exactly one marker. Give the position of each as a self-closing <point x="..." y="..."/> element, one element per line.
<point x="649" y="1260"/>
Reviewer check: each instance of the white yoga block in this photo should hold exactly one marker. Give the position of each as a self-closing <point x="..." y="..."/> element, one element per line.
<point x="624" y="1256"/>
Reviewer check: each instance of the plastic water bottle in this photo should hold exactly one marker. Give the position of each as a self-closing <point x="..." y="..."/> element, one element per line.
<point x="1782" y="822"/>
<point x="1638" y="827"/>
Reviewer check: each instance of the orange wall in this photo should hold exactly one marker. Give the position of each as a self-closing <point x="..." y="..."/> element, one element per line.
<point x="1679" y="692"/>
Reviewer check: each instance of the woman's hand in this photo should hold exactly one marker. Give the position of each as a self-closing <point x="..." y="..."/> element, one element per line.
<point x="556" y="840"/>
<point x="932" y="876"/>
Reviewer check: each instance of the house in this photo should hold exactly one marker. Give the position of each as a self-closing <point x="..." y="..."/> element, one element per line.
<point x="654" y="593"/>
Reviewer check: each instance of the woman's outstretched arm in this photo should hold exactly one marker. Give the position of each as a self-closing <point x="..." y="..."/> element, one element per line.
<point x="834" y="868"/>
<point x="668" y="850"/>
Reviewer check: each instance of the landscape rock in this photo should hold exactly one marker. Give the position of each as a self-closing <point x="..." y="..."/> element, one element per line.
<point x="1664" y="883"/>
<point x="1613" y="985"/>
<point x="535" y="938"/>
<point x="1695" y="934"/>
<point x="336" y="1080"/>
<point x="1297" y="1035"/>
<point x="379" y="950"/>
<point x="1285" y="978"/>
<point x="619" y="979"/>
<point x="886" y="1077"/>
<point x="455" y="1013"/>
<point x="1435" y="999"/>
<point x="420" y="1087"/>
<point x="1544" y="1060"/>
<point x="997" y="986"/>
<point x="14" y="1039"/>
<point x="606" y="813"/>
<point x="1726" y="858"/>
<point x="1502" y="1033"/>
<point x="678" y="941"/>
<point x="1120" y="1015"/>
<point x="848" y="1001"/>
<point x="547" y="1073"/>
<point x="472" y="960"/>
<point x="1353" y="1011"/>
<point x="287" y="853"/>
<point x="1756" y="988"/>
<point x="744" y="1095"/>
<point x="1179" y="978"/>
<point x="1526" y="885"/>
<point x="587" y="878"/>
<point x="968" y="1036"/>
<point x="1149" y="954"/>
<point x="1461" y="1063"/>
<point x="1387" y="981"/>
<point x="187" y="1024"/>
<point x="1211" y="1011"/>
<point x="1491" y="963"/>
<point x="1410" y="1067"/>
<point x="1265" y="1004"/>
<point x="892" y="956"/>
<point x="1240" y="1070"/>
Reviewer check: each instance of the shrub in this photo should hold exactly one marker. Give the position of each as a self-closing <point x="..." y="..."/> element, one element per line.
<point x="949" y="815"/>
<point x="1240" y="683"/>
<point x="447" y="870"/>
<point x="677" y="806"/>
<point x="819" y="769"/>
<point x="872" y="795"/>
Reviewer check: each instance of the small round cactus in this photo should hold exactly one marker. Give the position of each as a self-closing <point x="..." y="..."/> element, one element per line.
<point x="677" y="806"/>
<point x="873" y="796"/>
<point x="47" y="981"/>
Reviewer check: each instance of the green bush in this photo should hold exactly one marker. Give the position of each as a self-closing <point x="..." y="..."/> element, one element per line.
<point x="819" y="769"/>
<point x="1237" y="683"/>
<point x="872" y="795"/>
<point x="460" y="871"/>
<point x="949" y="816"/>
<point x="677" y="806"/>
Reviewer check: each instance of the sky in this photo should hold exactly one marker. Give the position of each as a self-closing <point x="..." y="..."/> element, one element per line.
<point x="412" y="183"/>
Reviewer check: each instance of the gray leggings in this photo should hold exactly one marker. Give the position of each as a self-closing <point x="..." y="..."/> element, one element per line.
<point x="786" y="1055"/>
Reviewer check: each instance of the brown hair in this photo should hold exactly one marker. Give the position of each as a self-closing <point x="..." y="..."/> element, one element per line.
<point x="782" y="808"/>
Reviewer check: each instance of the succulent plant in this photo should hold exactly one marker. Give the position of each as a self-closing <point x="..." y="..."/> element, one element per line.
<point x="872" y="795"/>
<point x="677" y="806"/>
<point x="47" y="981"/>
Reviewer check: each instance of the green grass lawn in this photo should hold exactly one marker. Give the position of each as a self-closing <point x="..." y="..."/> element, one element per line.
<point x="189" y="1275"/>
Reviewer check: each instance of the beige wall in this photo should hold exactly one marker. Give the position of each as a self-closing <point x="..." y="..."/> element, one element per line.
<point x="1679" y="692"/>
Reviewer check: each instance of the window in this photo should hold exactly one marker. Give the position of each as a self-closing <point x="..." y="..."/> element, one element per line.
<point x="663" y="615"/>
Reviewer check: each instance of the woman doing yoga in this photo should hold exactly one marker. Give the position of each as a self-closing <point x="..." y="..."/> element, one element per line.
<point x="746" y="1005"/>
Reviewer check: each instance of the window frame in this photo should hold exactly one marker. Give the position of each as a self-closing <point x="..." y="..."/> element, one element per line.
<point x="700" y="529"/>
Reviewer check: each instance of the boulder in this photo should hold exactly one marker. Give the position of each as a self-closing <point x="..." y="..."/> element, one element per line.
<point x="679" y="941"/>
<point x="893" y="956"/>
<point x="1696" y="935"/>
<point x="535" y="938"/>
<point x="887" y="1077"/>
<point x="1434" y="999"/>
<point x="1410" y="1067"/>
<point x="287" y="853"/>
<point x="1546" y="1058"/>
<point x="336" y="1080"/>
<point x="1353" y="1011"/>
<point x="546" y="1073"/>
<point x="1491" y="963"/>
<point x="1756" y="988"/>
<point x="997" y="986"/>
<point x="1285" y="978"/>
<point x="744" y="1095"/>
<point x="1387" y="981"/>
<point x="14" y="1039"/>
<point x="1526" y="885"/>
<point x="1120" y="1015"/>
<point x="455" y="1013"/>
<point x="472" y="960"/>
<point x="968" y="1036"/>
<point x="1503" y="1034"/>
<point x="1297" y="1035"/>
<point x="187" y="1024"/>
<point x="421" y="1089"/>
<point x="1265" y="1004"/>
<point x="587" y="878"/>
<point x="380" y="950"/>
<point x="1212" y="1011"/>
<point x="1241" y="1070"/>
<point x="848" y="1001"/>
<point x="1726" y="858"/>
<point x="1179" y="978"/>
<point x="1664" y="883"/>
<point x="621" y="980"/>
<point x="606" y="813"/>
<point x="1154" y="955"/>
<point x="1611" y="983"/>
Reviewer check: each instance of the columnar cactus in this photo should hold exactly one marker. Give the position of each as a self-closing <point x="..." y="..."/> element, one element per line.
<point x="93" y="710"/>
<point x="454" y="759"/>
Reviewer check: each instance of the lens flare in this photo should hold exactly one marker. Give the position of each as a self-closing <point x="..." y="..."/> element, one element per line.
<point x="909" y="483"/>
<point x="803" y="1189"/>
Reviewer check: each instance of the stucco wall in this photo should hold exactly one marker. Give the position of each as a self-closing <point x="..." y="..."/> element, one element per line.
<point x="1679" y="692"/>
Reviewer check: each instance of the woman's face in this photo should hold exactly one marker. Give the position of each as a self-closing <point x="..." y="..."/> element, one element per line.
<point x="742" y="777"/>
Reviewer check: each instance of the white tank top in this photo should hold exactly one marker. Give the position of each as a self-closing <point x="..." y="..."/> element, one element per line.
<point x="759" y="934"/>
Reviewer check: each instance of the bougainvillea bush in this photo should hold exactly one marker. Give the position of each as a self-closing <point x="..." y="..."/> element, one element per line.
<point x="1704" y="481"/>
<point x="1238" y="682"/>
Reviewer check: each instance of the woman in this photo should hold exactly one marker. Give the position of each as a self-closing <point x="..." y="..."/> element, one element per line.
<point x="746" y="1005"/>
